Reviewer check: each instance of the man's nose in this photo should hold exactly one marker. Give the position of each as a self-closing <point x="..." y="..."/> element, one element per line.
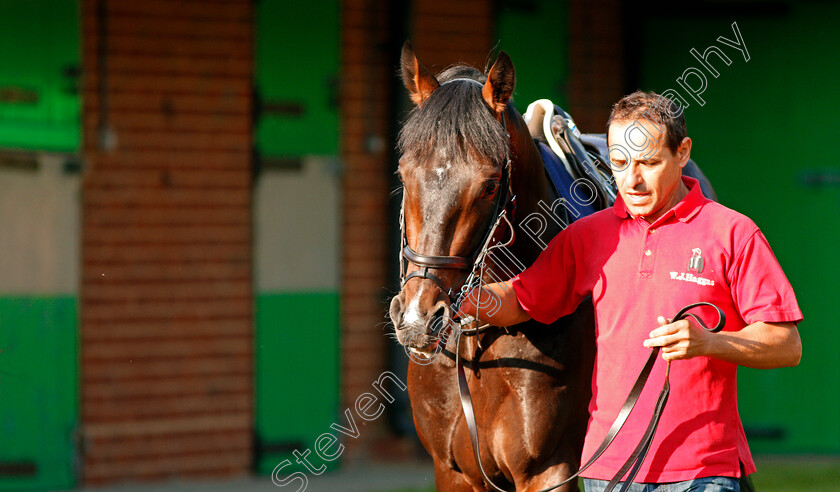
<point x="634" y="175"/>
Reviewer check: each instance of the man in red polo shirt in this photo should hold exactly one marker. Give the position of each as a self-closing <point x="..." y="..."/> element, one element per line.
<point x="663" y="246"/>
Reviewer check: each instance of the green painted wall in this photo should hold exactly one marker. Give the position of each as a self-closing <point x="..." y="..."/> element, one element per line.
<point x="297" y="374"/>
<point x="38" y="389"/>
<point x="39" y="100"/>
<point x="297" y="56"/>
<point x="535" y="35"/>
<point x="761" y="136"/>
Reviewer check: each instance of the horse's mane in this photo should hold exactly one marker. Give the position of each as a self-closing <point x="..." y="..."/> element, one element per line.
<point x="454" y="119"/>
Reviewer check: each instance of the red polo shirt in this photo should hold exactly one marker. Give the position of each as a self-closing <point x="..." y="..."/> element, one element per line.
<point x="635" y="271"/>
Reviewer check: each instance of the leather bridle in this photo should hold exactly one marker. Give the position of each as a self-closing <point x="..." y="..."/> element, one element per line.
<point x="504" y="205"/>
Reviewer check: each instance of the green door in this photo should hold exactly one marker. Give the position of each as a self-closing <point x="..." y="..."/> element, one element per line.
<point x="39" y="213"/>
<point x="296" y="230"/>
<point x="761" y="136"/>
<point x="535" y="34"/>
<point x="39" y="49"/>
<point x="39" y="241"/>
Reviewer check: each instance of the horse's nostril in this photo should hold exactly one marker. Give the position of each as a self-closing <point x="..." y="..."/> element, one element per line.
<point x="396" y="311"/>
<point x="439" y="318"/>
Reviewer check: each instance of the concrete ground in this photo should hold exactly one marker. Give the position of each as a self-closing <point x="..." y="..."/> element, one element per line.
<point x="776" y="474"/>
<point x="357" y="478"/>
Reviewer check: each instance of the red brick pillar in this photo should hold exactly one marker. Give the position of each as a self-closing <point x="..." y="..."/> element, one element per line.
<point x="367" y="79"/>
<point x="596" y="61"/>
<point x="166" y="289"/>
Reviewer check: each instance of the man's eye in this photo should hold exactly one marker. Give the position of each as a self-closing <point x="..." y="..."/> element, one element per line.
<point x="490" y="188"/>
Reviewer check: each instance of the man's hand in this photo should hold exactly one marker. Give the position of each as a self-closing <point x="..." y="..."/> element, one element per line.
<point x="761" y="345"/>
<point x="496" y="304"/>
<point x="679" y="340"/>
<point x="471" y="300"/>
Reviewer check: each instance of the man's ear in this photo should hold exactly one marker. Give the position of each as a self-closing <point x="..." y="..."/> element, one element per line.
<point x="417" y="78"/>
<point x="684" y="151"/>
<point x="500" y="83"/>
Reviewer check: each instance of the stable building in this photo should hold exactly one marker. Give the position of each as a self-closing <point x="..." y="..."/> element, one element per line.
<point x="199" y="237"/>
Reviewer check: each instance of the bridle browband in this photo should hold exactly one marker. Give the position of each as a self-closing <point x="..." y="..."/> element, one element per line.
<point x="473" y="264"/>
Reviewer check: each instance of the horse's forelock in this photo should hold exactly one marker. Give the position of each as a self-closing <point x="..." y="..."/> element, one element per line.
<point x="456" y="120"/>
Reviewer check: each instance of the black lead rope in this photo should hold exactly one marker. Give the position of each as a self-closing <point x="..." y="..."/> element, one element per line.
<point x="638" y="456"/>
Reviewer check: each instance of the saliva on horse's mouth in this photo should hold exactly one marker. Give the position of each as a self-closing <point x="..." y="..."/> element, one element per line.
<point x="427" y="350"/>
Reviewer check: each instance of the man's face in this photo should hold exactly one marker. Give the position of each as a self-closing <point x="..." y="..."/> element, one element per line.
<point x="647" y="173"/>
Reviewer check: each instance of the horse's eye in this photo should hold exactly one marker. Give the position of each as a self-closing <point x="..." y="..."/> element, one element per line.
<point x="490" y="188"/>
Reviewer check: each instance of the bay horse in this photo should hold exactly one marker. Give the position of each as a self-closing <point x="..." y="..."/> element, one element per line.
<point x="465" y="153"/>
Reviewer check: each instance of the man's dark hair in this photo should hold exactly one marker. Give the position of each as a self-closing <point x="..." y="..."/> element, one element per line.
<point x="656" y="108"/>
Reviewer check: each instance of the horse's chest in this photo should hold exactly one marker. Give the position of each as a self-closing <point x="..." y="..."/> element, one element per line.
<point x="509" y="413"/>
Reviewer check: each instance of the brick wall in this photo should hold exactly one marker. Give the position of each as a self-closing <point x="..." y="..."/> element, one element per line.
<point x="449" y="33"/>
<point x="596" y="61"/>
<point x="166" y="288"/>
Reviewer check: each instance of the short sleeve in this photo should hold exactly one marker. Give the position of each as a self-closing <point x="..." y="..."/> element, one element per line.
<point x="547" y="289"/>
<point x="760" y="289"/>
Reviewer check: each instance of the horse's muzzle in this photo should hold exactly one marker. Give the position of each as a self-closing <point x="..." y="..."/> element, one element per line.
<point x="417" y="328"/>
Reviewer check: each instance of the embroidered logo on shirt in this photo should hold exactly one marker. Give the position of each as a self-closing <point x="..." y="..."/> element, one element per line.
<point x="695" y="265"/>
<point x="688" y="277"/>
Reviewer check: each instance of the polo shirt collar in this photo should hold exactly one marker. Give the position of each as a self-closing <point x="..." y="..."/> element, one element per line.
<point x="683" y="211"/>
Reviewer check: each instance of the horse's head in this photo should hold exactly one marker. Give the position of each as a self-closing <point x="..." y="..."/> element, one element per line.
<point x="454" y="167"/>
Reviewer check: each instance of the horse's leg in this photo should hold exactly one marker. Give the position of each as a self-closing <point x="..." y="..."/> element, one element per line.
<point x="449" y="480"/>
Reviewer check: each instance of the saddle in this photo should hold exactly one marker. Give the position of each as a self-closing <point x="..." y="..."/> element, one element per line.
<point x="569" y="156"/>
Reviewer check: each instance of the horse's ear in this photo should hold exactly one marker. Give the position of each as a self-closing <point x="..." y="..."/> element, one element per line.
<point x="500" y="82"/>
<point x="417" y="79"/>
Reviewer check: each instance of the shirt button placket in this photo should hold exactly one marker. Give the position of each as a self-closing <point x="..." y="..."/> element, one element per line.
<point x="648" y="257"/>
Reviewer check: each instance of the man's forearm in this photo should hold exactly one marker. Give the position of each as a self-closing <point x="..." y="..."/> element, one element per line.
<point x="496" y="305"/>
<point x="759" y="345"/>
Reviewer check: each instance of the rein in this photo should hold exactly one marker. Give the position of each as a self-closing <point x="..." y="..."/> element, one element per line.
<point x="638" y="456"/>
